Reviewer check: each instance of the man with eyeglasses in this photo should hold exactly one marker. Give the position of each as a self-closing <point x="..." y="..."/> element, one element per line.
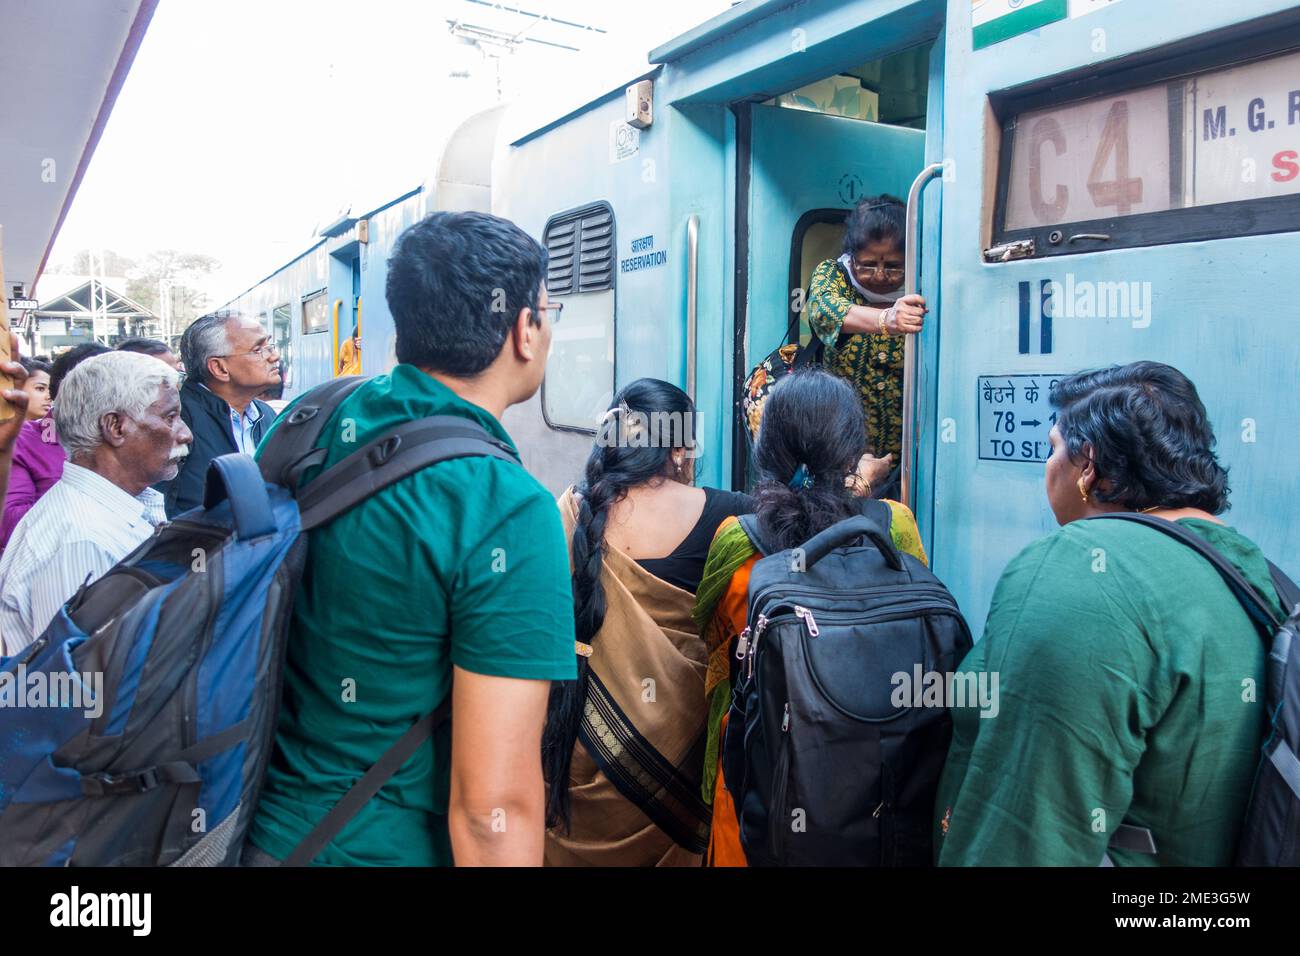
<point x="230" y="360"/>
<point x="460" y="568"/>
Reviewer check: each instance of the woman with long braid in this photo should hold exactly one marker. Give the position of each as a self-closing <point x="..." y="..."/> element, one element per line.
<point x="623" y="745"/>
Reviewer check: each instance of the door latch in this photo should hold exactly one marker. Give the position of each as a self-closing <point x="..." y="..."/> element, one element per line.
<point x="1020" y="249"/>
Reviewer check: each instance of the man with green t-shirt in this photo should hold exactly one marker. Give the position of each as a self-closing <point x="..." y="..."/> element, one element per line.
<point x="460" y="569"/>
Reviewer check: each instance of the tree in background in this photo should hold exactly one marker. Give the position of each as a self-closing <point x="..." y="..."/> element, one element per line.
<point x="167" y="274"/>
<point x="165" y="281"/>
<point x="113" y="264"/>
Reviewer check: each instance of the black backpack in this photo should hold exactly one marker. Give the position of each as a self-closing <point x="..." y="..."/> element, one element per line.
<point x="824" y="767"/>
<point x="1270" y="835"/>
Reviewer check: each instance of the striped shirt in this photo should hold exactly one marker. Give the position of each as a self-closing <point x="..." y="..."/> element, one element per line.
<point x="83" y="526"/>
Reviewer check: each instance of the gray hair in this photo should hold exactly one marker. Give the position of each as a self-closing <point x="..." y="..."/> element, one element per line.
<point x="207" y="337"/>
<point x="123" y="382"/>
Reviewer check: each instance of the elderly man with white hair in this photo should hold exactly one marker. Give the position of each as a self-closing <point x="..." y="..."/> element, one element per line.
<point x="118" y="416"/>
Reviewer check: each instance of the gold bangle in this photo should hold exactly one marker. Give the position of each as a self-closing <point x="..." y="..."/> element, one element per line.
<point x="883" y="329"/>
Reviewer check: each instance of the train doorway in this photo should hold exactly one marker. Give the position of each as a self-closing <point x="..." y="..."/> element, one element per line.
<point x="345" y="277"/>
<point x="805" y="159"/>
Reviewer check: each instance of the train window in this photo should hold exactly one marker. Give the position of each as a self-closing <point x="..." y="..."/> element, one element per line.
<point x="1196" y="156"/>
<point x="579" y="380"/>
<point x="281" y="322"/>
<point x="315" y="312"/>
<point x="818" y="236"/>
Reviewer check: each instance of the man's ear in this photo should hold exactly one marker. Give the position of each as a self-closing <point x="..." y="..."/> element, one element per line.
<point x="217" y="370"/>
<point x="523" y="335"/>
<point x="112" y="427"/>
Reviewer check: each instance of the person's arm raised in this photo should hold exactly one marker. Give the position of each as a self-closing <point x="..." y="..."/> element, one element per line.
<point x="10" y="427"/>
<point x="497" y="810"/>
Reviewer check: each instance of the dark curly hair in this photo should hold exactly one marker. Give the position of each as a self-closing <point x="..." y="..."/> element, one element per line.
<point x="813" y="419"/>
<point x="69" y="360"/>
<point x="456" y="282"/>
<point x="875" y="218"/>
<point x="1147" y="434"/>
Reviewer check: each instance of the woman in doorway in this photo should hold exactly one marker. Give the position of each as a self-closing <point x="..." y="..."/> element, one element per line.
<point x="622" y="746"/>
<point x="857" y="309"/>
<point x="350" y="354"/>
<point x="809" y="442"/>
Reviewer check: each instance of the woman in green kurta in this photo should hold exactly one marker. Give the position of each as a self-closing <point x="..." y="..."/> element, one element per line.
<point x="1129" y="677"/>
<point x="856" y="309"/>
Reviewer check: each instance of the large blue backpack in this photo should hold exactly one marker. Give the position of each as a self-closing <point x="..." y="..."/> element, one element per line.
<point x="137" y="728"/>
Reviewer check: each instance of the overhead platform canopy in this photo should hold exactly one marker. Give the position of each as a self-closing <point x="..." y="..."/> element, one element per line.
<point x="62" y="64"/>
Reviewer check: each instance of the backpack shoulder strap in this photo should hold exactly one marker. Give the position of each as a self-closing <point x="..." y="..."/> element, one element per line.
<point x="370" y="784"/>
<point x="877" y="511"/>
<point x="291" y="449"/>
<point x="874" y="509"/>
<point x="394" y="455"/>
<point x="1287" y="589"/>
<point x="1254" y="603"/>
<point x="750" y="525"/>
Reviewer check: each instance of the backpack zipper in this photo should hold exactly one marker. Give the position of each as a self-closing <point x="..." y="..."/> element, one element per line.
<point x="747" y="645"/>
<point x="778" y="815"/>
<point x="930" y="590"/>
<point x="806" y="616"/>
<point x="897" y="611"/>
<point x="743" y="641"/>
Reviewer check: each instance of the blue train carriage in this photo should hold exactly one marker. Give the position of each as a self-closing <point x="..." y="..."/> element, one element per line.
<point x="1124" y="187"/>
<point x="312" y="303"/>
<point x="1092" y="182"/>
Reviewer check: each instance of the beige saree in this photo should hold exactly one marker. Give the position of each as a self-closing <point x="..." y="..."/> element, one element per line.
<point x="635" y="778"/>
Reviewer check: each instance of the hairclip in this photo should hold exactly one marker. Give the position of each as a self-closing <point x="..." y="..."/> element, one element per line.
<point x="801" y="479"/>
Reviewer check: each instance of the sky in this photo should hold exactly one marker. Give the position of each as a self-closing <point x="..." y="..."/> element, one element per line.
<point x="246" y="125"/>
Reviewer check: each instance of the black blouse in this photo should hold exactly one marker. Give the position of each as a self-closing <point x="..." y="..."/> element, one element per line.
<point x="685" y="566"/>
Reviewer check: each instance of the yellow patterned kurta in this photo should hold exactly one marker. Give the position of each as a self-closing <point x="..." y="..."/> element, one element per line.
<point x="872" y="364"/>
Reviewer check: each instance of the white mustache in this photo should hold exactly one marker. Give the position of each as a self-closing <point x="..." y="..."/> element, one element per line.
<point x="179" y="453"/>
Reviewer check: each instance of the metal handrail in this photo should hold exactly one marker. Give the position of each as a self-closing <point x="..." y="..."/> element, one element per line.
<point x="338" y="304"/>
<point x="912" y="262"/>
<point x="692" y="305"/>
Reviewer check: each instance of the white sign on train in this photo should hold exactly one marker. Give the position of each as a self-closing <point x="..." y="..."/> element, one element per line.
<point x="1015" y="416"/>
<point x="624" y="141"/>
<point x="645" y="255"/>
<point x="993" y="21"/>
<point x="1221" y="136"/>
<point x="1245" y="132"/>
<point x="1081" y="162"/>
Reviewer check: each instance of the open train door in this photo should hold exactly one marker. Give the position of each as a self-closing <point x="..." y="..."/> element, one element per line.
<point x="799" y="173"/>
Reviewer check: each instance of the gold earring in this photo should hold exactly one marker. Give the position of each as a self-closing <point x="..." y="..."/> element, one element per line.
<point x="1083" y="492"/>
